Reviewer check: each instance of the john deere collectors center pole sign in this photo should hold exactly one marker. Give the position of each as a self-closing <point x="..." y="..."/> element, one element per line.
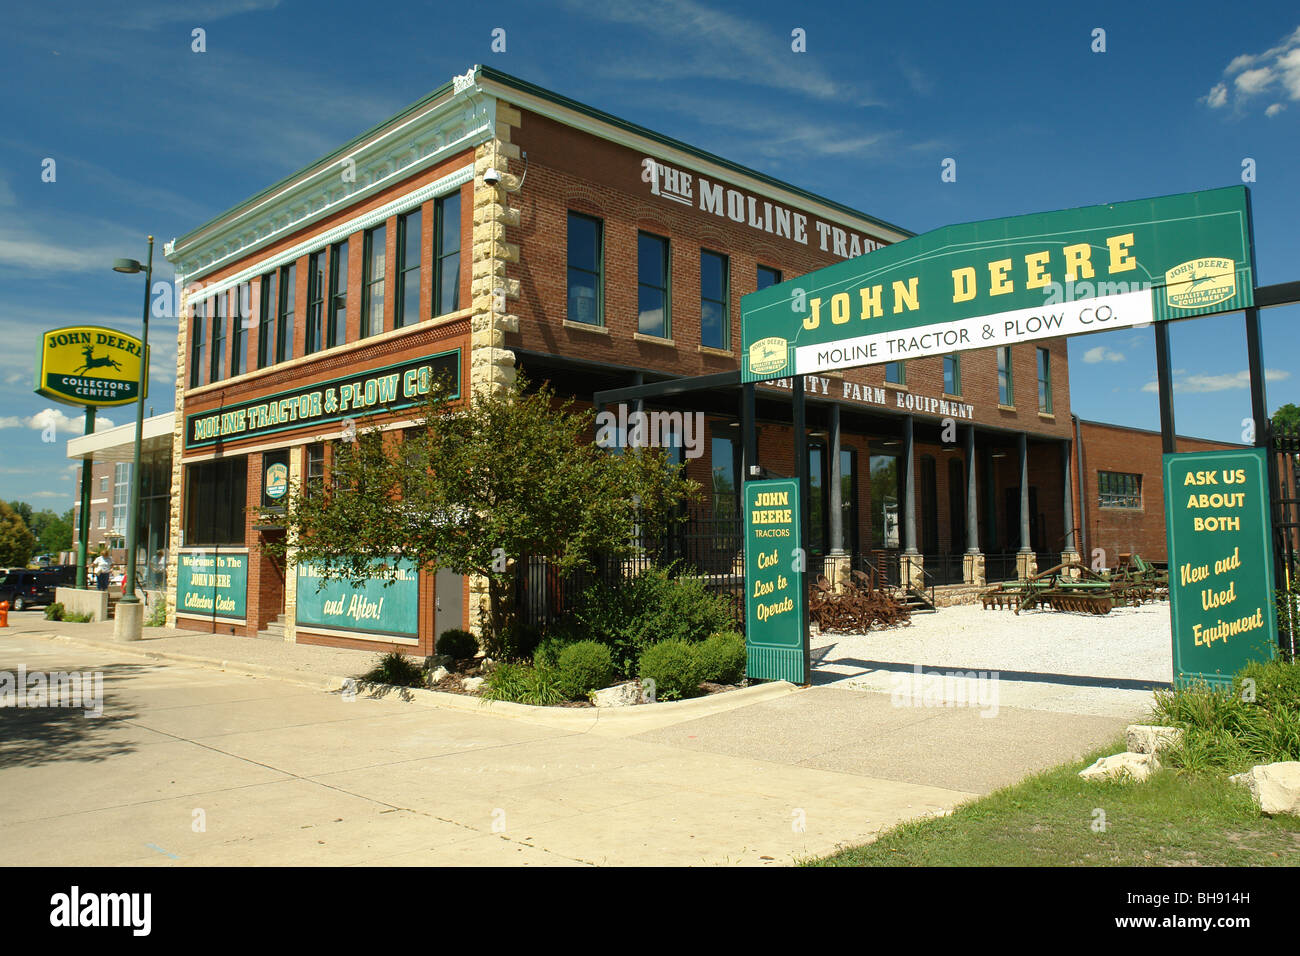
<point x="1220" y="563"/>
<point x="1002" y="281"/>
<point x="774" y="582"/>
<point x="89" y="365"/>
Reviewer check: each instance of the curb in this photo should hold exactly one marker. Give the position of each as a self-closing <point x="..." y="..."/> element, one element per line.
<point x="621" y="720"/>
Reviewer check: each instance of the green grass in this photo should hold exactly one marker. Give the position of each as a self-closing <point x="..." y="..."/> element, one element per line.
<point x="1172" y="819"/>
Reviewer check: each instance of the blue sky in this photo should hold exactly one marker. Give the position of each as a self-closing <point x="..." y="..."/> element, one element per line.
<point x="149" y="136"/>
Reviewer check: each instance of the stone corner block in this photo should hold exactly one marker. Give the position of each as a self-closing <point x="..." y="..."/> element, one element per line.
<point x="1151" y="738"/>
<point x="1275" y="787"/>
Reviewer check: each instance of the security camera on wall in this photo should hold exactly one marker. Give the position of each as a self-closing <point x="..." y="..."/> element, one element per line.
<point x="492" y="176"/>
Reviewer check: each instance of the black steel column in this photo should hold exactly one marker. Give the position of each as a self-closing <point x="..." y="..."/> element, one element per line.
<point x="748" y="430"/>
<point x="837" y="496"/>
<point x="972" y="497"/>
<point x="1024" y="494"/>
<point x="1070" y="543"/>
<point x="801" y="474"/>
<point x="909" y="488"/>
<point x="1255" y="361"/>
<point x="1165" y="379"/>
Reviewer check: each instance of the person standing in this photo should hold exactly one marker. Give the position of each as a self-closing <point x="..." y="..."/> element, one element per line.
<point x="102" y="567"/>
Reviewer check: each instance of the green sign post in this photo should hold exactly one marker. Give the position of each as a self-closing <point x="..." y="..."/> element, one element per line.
<point x="1003" y="281"/>
<point x="1220" y="563"/>
<point x="775" y="626"/>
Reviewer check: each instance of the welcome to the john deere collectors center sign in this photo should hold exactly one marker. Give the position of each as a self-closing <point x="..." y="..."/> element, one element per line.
<point x="1220" y="563"/>
<point x="89" y="365"/>
<point x="1002" y="281"/>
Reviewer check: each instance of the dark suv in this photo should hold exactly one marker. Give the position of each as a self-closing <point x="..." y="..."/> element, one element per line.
<point x="23" y="588"/>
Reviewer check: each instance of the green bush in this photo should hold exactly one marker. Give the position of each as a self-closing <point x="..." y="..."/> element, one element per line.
<point x="76" y="618"/>
<point x="523" y="684"/>
<point x="397" y="669"/>
<point x="518" y="641"/>
<point x="584" y="666"/>
<point x="547" y="653"/>
<point x="457" y="644"/>
<point x="1228" y="731"/>
<point x="158" y="616"/>
<point x="675" y="667"/>
<point x="649" y="608"/>
<point x="54" y="612"/>
<point x="722" y="658"/>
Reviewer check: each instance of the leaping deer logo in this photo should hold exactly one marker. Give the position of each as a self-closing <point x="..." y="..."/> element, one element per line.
<point x="91" y="362"/>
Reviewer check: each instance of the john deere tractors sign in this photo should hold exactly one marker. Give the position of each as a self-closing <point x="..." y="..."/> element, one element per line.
<point x="89" y="365"/>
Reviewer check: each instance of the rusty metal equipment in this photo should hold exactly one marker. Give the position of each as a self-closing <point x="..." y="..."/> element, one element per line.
<point x="1070" y="586"/>
<point x="1135" y="580"/>
<point x="859" y="606"/>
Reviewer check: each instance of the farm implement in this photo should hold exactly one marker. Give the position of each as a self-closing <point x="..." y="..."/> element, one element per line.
<point x="1067" y="587"/>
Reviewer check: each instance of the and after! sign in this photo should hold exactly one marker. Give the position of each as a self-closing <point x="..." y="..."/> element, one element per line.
<point x="774" y="582"/>
<point x="1003" y="281"/>
<point x="382" y="605"/>
<point x="1222" y="610"/>
<point x="89" y="365"/>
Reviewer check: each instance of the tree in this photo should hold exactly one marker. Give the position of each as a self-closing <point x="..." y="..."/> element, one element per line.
<point x="16" y="540"/>
<point x="1287" y="418"/>
<point x="477" y="487"/>
<point x="24" y="511"/>
<point x="53" y="532"/>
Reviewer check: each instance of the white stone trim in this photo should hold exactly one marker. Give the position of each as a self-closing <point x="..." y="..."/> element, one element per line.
<point x="434" y="190"/>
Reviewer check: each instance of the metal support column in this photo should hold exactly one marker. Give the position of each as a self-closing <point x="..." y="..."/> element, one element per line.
<point x="801" y="474"/>
<point x="972" y="497"/>
<point x="1024" y="494"/>
<point x="1165" y="380"/>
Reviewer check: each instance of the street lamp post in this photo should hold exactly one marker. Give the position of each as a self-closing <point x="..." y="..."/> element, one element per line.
<point x="129" y="620"/>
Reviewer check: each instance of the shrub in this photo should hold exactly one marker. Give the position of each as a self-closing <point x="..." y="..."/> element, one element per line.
<point x="397" y="669"/>
<point x="457" y="643"/>
<point x="722" y="658"/>
<point x="76" y="618"/>
<point x="646" y="609"/>
<point x="518" y="641"/>
<point x="158" y="616"/>
<point x="675" y="667"/>
<point x="547" y="653"/>
<point x="523" y="684"/>
<point x="54" y="612"/>
<point x="1224" y="730"/>
<point x="584" y="666"/>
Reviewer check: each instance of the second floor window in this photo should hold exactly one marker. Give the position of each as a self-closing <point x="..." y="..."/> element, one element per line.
<point x="239" y="321"/>
<point x="1117" y="489"/>
<point x="768" y="277"/>
<point x="715" y="320"/>
<point x="896" y="373"/>
<point x="198" y="329"/>
<point x="268" y="303"/>
<point x="1006" y="393"/>
<point x="284" y="328"/>
<point x="1045" y="381"/>
<point x="952" y="374"/>
<point x="315" y="303"/>
<point x="217" y="371"/>
<point x="372" y="282"/>
<point x="406" y="303"/>
<point x="446" y="276"/>
<point x="336" y="332"/>
<point x="586" y="285"/>
<point x="652" y="286"/>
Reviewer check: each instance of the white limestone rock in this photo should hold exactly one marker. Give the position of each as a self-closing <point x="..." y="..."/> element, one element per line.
<point x="471" y="683"/>
<point x="437" y="674"/>
<point x="1151" y="738"/>
<point x="1275" y="787"/>
<point x="1133" y="766"/>
<point x="620" y="695"/>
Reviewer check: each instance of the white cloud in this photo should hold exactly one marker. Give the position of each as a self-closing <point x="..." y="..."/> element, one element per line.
<point x="1192" y="384"/>
<point x="1102" y="354"/>
<point x="1274" y="109"/>
<point x="1255" y="73"/>
<point x="62" y="422"/>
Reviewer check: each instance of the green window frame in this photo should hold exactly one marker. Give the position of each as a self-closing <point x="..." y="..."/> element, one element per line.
<point x="1044" y="381"/>
<point x="198" y="331"/>
<point x="896" y="373"/>
<point x="315" y="303"/>
<point x="374" y="269"/>
<point x="767" y="277"/>
<point x="715" y="295"/>
<point x="239" y="330"/>
<point x="952" y="374"/>
<point x="406" y="301"/>
<point x="336" y="330"/>
<point x="586" y="270"/>
<point x="1117" y="489"/>
<point x="1006" y="384"/>
<point x="270" y="298"/>
<point x="653" y="268"/>
<point x="216" y="371"/>
<point x="284" y="324"/>
<point x="446" y="273"/>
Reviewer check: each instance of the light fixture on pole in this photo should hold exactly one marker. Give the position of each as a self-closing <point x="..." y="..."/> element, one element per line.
<point x="128" y="619"/>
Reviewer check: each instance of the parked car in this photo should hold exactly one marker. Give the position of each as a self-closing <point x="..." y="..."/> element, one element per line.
<point x="23" y="588"/>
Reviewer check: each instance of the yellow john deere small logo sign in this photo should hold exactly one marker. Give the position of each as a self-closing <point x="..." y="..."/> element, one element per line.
<point x="89" y="365"/>
<point x="277" y="481"/>
<point x="1200" y="282"/>
<point x="768" y="355"/>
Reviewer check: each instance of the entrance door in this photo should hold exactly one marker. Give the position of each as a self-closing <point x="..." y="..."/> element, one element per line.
<point x="448" y="601"/>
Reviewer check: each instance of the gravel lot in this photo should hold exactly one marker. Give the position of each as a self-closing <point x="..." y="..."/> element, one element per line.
<point x="1049" y="660"/>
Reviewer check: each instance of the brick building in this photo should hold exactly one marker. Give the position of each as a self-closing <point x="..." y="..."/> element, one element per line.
<point x="496" y="227"/>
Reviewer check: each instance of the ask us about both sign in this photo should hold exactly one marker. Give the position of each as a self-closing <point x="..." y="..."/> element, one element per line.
<point x="1003" y="281"/>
